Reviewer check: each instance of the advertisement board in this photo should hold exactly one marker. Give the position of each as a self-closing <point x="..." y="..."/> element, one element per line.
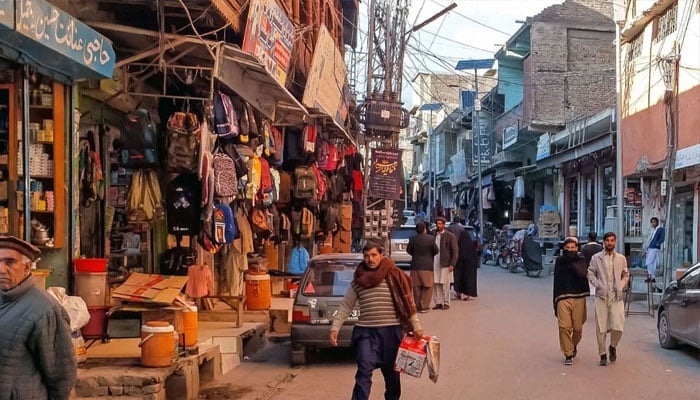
<point x="481" y="144"/>
<point x="385" y="177"/>
<point x="543" y="147"/>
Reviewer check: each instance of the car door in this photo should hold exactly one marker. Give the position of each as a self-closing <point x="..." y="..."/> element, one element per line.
<point x="685" y="302"/>
<point x="692" y="306"/>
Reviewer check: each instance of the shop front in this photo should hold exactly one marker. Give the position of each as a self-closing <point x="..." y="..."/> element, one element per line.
<point x="43" y="51"/>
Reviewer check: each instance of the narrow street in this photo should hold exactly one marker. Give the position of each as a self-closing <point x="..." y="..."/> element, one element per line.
<point x="502" y="346"/>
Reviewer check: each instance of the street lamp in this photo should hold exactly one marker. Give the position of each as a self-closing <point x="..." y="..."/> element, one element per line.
<point x="476" y="126"/>
<point x="431" y="171"/>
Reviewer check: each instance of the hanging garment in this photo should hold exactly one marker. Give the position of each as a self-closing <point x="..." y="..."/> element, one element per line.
<point x="200" y="281"/>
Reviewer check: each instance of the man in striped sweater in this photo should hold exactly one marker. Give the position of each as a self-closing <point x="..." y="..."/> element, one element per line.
<point x="387" y="310"/>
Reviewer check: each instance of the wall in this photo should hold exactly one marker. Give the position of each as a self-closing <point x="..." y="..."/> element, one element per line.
<point x="509" y="86"/>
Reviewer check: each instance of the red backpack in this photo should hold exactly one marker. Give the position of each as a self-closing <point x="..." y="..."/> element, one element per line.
<point x="332" y="162"/>
<point x="266" y="188"/>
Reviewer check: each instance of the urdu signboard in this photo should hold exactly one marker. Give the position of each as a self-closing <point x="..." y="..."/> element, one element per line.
<point x="481" y="144"/>
<point x="385" y="178"/>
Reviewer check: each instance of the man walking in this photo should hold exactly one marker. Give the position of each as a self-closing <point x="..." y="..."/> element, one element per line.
<point x="652" y="246"/>
<point x="37" y="357"/>
<point x="387" y="310"/>
<point x="422" y="249"/>
<point x="590" y="248"/>
<point x="609" y="275"/>
<point x="570" y="292"/>
<point x="443" y="264"/>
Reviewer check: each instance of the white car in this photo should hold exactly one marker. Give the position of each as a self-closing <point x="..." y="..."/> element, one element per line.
<point x="399" y="242"/>
<point x="410" y="217"/>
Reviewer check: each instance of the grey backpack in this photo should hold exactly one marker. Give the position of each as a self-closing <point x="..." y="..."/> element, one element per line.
<point x="225" y="179"/>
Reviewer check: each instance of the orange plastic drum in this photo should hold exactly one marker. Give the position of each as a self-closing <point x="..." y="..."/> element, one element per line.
<point x="190" y="323"/>
<point x="258" y="291"/>
<point x="158" y="344"/>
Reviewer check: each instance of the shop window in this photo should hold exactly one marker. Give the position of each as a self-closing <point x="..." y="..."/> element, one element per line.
<point x="665" y="24"/>
<point x="607" y="191"/>
<point x="589" y="204"/>
<point x="573" y="202"/>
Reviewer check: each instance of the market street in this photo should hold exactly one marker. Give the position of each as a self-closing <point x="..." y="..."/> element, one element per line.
<point x="502" y="346"/>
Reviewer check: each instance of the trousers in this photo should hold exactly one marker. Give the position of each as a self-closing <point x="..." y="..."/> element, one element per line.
<point x="376" y="348"/>
<point x="422" y="288"/>
<point x="571" y="315"/>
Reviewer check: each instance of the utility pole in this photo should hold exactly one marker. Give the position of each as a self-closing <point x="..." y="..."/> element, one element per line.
<point x="619" y="184"/>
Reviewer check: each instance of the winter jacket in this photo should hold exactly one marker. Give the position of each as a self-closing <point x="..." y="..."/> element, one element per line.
<point x="422" y="249"/>
<point x="37" y="357"/>
<point x="569" y="278"/>
<point x="449" y="251"/>
<point x="598" y="276"/>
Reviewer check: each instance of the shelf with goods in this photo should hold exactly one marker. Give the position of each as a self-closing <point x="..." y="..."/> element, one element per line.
<point x="46" y="154"/>
<point x="5" y="112"/>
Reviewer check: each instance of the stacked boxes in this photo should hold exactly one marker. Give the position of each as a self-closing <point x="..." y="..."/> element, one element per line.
<point x="548" y="225"/>
<point x="342" y="241"/>
<point x="377" y="224"/>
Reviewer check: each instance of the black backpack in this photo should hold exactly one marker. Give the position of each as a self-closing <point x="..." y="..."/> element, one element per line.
<point x="183" y="205"/>
<point x="139" y="138"/>
<point x="176" y="260"/>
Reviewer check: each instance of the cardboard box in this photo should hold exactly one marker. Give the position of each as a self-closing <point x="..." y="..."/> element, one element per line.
<point x="346" y="211"/>
<point x="145" y="288"/>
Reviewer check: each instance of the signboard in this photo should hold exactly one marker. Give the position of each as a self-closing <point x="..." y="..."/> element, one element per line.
<point x="7" y="14"/>
<point x="482" y="144"/>
<point x="385" y="177"/>
<point x="40" y="21"/>
<point x="466" y="98"/>
<point x="543" y="147"/>
<point x="510" y="136"/>
<point x="325" y="86"/>
<point x="688" y="157"/>
<point x="459" y="168"/>
<point x="269" y="36"/>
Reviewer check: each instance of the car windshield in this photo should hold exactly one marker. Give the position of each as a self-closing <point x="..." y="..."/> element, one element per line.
<point x="328" y="278"/>
<point x="403" y="233"/>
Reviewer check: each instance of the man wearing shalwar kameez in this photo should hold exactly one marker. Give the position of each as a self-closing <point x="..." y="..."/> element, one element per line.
<point x="609" y="275"/>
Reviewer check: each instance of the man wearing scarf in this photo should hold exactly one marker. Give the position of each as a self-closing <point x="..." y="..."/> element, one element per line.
<point x="387" y="311"/>
<point x="570" y="292"/>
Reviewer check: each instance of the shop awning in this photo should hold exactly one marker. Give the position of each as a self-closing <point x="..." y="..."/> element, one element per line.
<point x="596" y="144"/>
<point x="61" y="46"/>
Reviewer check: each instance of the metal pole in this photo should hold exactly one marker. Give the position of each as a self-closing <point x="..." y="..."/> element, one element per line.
<point x="618" y="144"/>
<point x="476" y="132"/>
<point x="430" y="169"/>
<point x="26" y="211"/>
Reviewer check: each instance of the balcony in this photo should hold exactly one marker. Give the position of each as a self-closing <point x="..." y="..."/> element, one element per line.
<point x="632" y="221"/>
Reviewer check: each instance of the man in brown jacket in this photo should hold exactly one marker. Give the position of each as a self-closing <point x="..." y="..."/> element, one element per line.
<point x="443" y="264"/>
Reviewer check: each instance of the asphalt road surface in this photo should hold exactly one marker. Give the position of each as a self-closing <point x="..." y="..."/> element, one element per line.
<point x="503" y="345"/>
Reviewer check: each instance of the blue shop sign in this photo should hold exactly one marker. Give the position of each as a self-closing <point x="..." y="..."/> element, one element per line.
<point x="7" y="14"/>
<point x="54" y="28"/>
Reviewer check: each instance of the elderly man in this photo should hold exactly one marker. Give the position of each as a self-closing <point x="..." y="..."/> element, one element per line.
<point x="37" y="358"/>
<point x="443" y="264"/>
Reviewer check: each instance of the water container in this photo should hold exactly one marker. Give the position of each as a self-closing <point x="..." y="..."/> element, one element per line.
<point x="95" y="328"/>
<point x="190" y="324"/>
<point x="92" y="287"/>
<point x="258" y="291"/>
<point x="40" y="278"/>
<point x="158" y="344"/>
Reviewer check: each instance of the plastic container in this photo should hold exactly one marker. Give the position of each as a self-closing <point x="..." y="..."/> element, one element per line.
<point x="189" y="326"/>
<point x="40" y="276"/>
<point x="90" y="264"/>
<point x="92" y="287"/>
<point x="95" y="328"/>
<point x="258" y="291"/>
<point x="158" y="344"/>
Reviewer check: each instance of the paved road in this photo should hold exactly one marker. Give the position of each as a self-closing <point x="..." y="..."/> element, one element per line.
<point x="503" y="345"/>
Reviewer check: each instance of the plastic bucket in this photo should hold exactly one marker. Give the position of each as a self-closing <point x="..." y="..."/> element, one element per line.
<point x="258" y="291"/>
<point x="90" y="264"/>
<point x="40" y="278"/>
<point x="189" y="326"/>
<point x="91" y="287"/>
<point x="158" y="344"/>
<point x="95" y="328"/>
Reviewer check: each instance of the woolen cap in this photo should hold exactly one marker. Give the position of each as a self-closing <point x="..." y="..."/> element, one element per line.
<point x="570" y="239"/>
<point x="26" y="248"/>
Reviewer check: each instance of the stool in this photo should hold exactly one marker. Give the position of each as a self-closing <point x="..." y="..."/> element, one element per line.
<point x="649" y="293"/>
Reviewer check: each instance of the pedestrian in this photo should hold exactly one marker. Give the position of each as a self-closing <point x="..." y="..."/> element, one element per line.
<point x="443" y="264"/>
<point x="652" y="247"/>
<point x="37" y="357"/>
<point x="609" y="275"/>
<point x="422" y="249"/>
<point x="591" y="247"/>
<point x="570" y="292"/>
<point x="467" y="261"/>
<point x="387" y="310"/>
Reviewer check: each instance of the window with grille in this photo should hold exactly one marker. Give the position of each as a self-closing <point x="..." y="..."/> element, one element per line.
<point x="636" y="47"/>
<point x="666" y="23"/>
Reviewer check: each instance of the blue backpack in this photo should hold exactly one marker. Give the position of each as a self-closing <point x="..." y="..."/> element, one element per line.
<point x="225" y="117"/>
<point x="298" y="261"/>
<point x="225" y="228"/>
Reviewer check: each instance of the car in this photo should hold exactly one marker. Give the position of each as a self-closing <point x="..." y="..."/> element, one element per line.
<point x="679" y="311"/>
<point x="399" y="242"/>
<point x="321" y="289"/>
<point x="409" y="217"/>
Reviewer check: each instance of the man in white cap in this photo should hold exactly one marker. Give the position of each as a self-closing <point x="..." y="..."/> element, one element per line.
<point x="37" y="357"/>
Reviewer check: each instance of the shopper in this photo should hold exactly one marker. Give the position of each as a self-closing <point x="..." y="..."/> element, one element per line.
<point x="387" y="310"/>
<point x="570" y="292"/>
<point x="609" y="275"/>
<point x="422" y="249"/>
<point x="37" y="357"/>
<point x="591" y="248"/>
<point x="443" y="264"/>
<point x="652" y="247"/>
<point x="467" y="261"/>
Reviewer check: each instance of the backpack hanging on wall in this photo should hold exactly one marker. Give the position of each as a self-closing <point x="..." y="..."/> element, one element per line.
<point x="183" y="135"/>
<point x="183" y="199"/>
<point x="265" y="193"/>
<point x="225" y="117"/>
<point x="305" y="183"/>
<point x="285" y="189"/>
<point x="224" y="223"/>
<point x="139" y="138"/>
<point x="144" y="200"/>
<point x="225" y="178"/>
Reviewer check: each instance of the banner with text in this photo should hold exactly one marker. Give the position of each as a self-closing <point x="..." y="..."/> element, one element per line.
<point x="482" y="144"/>
<point x="385" y="178"/>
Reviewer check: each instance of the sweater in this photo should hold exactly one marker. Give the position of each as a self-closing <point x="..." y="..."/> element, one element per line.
<point x="570" y="279"/>
<point x="37" y="357"/>
<point x="422" y="249"/>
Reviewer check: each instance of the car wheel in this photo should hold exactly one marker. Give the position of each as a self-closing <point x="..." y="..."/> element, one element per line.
<point x="298" y="355"/>
<point x="665" y="339"/>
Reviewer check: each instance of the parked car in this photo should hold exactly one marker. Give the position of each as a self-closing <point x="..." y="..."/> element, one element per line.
<point x="679" y="311"/>
<point x="409" y="217"/>
<point x="399" y="242"/>
<point x="321" y="289"/>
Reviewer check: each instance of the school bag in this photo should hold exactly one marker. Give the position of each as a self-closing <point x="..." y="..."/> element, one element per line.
<point x="285" y="189"/>
<point x="293" y="146"/>
<point x="310" y="139"/>
<point x="225" y="117"/>
<point x="224" y="223"/>
<point x="298" y="260"/>
<point x="305" y="183"/>
<point x="144" y="200"/>
<point x="265" y="195"/>
<point x="183" y="199"/>
<point x="225" y="178"/>
<point x="276" y="146"/>
<point x="322" y="154"/>
<point x="261" y="221"/>
<point x="139" y="140"/>
<point x="182" y="142"/>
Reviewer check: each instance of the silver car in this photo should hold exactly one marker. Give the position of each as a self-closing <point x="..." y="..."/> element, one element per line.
<point x="399" y="242"/>
<point x="679" y="311"/>
<point x="321" y="290"/>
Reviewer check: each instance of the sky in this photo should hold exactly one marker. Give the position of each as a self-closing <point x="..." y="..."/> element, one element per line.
<point x="473" y="30"/>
